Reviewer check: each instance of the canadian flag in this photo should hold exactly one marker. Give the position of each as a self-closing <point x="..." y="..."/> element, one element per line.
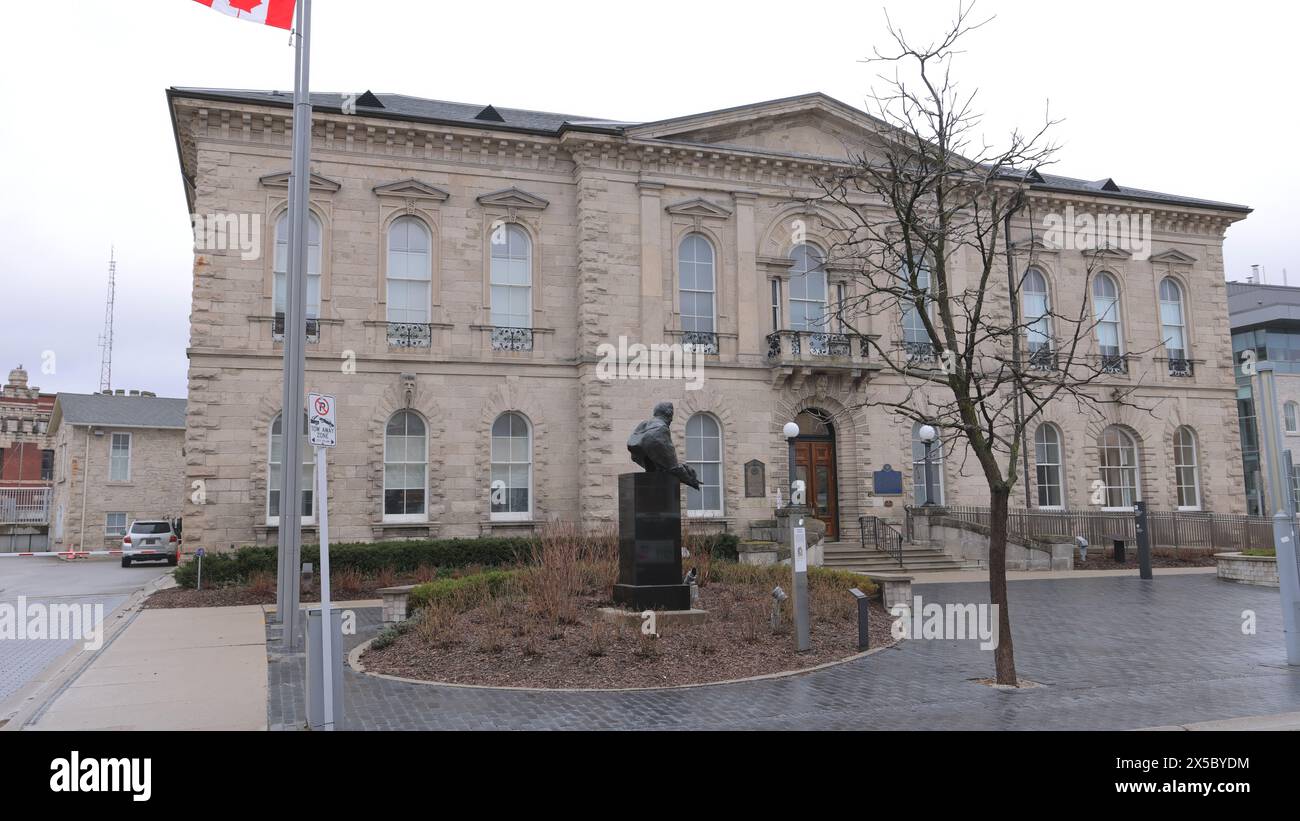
<point x="278" y="13"/>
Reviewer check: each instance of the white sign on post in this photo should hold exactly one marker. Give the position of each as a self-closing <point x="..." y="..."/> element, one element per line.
<point x="800" y="550"/>
<point x="320" y="420"/>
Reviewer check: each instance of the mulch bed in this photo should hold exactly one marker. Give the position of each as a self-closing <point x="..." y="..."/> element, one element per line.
<point x="495" y="645"/>
<point x="1098" y="560"/>
<point x="242" y="595"/>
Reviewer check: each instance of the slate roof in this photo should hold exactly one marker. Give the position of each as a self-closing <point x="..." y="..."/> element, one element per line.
<point x="520" y="120"/>
<point x="120" y="411"/>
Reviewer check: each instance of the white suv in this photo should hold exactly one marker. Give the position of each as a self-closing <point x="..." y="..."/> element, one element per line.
<point x="151" y="539"/>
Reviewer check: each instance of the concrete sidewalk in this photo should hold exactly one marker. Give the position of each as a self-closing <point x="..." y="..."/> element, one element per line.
<point x="982" y="575"/>
<point x="199" y="668"/>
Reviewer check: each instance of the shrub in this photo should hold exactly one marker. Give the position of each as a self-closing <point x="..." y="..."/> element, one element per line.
<point x="368" y="558"/>
<point x="465" y="592"/>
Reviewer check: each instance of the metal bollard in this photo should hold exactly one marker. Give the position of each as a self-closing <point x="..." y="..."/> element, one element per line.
<point x="864" y="618"/>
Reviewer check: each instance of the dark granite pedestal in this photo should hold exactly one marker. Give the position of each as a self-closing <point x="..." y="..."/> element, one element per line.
<point x="650" y="543"/>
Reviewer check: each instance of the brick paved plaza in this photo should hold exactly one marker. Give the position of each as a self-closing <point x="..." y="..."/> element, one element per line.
<point x="1112" y="652"/>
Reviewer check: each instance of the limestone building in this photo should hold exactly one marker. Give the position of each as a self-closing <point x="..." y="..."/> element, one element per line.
<point x="467" y="264"/>
<point x="119" y="456"/>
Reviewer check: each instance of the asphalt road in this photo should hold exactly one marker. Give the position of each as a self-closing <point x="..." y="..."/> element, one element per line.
<point x="93" y="581"/>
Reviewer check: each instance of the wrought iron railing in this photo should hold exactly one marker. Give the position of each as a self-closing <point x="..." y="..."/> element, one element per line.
<point x="1043" y="359"/>
<point x="410" y="334"/>
<point x="313" y="329"/>
<point x="1181" y="368"/>
<point x="25" y="505"/>
<point x="1175" y="529"/>
<point x="705" y="342"/>
<point x="920" y="352"/>
<point x="512" y="339"/>
<point x="816" y="343"/>
<point x="1115" y="363"/>
<point x="882" y="536"/>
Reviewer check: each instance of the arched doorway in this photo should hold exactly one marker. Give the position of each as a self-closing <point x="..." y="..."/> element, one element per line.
<point x="814" y="463"/>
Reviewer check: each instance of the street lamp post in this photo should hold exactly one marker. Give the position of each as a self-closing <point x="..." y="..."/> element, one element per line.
<point x="798" y="551"/>
<point x="928" y="434"/>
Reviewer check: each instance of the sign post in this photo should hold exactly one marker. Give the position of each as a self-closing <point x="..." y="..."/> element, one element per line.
<point x="321" y="435"/>
<point x="799" y="564"/>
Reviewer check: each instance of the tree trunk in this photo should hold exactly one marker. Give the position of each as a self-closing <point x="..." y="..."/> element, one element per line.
<point x="1004" y="655"/>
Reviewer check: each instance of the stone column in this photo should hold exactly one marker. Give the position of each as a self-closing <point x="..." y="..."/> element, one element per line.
<point x="652" y="269"/>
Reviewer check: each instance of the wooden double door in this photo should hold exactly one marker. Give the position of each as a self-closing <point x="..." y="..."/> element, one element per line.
<point x="814" y="463"/>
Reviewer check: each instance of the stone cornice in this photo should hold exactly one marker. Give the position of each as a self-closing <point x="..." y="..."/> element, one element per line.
<point x="412" y="189"/>
<point x="513" y="198"/>
<point x="318" y="183"/>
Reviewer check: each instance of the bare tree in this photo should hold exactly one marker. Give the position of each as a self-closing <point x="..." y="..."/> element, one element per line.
<point x="930" y="206"/>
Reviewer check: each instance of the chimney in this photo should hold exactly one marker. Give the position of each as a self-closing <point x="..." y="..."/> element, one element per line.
<point x="149" y="394"/>
<point x="120" y="392"/>
<point x="135" y="392"/>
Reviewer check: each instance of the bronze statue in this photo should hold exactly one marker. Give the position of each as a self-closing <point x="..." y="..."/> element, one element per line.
<point x="651" y="446"/>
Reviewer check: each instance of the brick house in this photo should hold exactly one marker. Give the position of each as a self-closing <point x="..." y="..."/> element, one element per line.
<point x="467" y="264"/>
<point x="26" y="463"/>
<point x="118" y="456"/>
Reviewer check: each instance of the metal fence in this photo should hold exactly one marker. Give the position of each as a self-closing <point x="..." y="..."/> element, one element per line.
<point x="1181" y="530"/>
<point x="24" y="505"/>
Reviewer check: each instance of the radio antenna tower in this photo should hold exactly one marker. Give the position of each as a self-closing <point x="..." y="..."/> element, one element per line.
<point x="106" y="338"/>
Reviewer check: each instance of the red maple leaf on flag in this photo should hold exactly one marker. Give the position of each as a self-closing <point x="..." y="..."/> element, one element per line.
<point x="245" y="5"/>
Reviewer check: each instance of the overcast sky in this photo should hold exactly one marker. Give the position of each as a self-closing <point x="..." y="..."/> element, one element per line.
<point x="1194" y="98"/>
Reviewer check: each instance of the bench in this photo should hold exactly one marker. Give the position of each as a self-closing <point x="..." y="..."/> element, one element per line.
<point x="896" y="588"/>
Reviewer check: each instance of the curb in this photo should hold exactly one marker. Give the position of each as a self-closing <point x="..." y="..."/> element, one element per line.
<point x="354" y="661"/>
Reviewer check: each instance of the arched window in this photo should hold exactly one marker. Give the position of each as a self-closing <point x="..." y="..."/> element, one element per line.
<point x="512" y="277"/>
<point x="512" y="467"/>
<point x="281" y="263"/>
<point x="807" y="289"/>
<point x="695" y="268"/>
<point x="1047" y="462"/>
<point x="1173" y="329"/>
<point x="1119" y="469"/>
<point x="410" y="270"/>
<point x="704" y="453"/>
<point x="914" y="332"/>
<point x="275" y="467"/>
<point x="1110" y="335"/>
<point x="405" y="467"/>
<point x="920" y="468"/>
<point x="1037" y="314"/>
<point x="1291" y="417"/>
<point x="1185" y="471"/>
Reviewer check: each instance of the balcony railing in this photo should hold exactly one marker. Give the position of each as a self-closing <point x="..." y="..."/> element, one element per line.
<point x="277" y="328"/>
<point x="410" y="334"/>
<point x="1115" y="363"/>
<point x="705" y="342"/>
<point x="813" y="346"/>
<point x="24" y="505"/>
<point x="512" y="339"/>
<point x="1042" y="359"/>
<point x="1180" y="367"/>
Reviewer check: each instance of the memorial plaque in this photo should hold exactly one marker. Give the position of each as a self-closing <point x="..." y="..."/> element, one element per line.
<point x="755" y="479"/>
<point x="887" y="481"/>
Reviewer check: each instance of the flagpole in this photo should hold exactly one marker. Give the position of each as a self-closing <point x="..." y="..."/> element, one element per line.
<point x="289" y="533"/>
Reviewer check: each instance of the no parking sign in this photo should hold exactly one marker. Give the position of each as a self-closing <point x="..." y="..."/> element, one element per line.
<point x="320" y="420"/>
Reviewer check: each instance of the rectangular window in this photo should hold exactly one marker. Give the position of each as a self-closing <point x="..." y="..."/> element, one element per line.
<point x="47" y="466"/>
<point x="115" y="524"/>
<point x="776" y="304"/>
<point x="119" y="458"/>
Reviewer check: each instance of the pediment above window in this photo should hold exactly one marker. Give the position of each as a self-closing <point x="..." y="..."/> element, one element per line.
<point x="412" y="189"/>
<point x="1033" y="246"/>
<point x="1173" y="257"/>
<point x="1108" y="253"/>
<point x="698" y="207"/>
<point x="513" y="198"/>
<point x="318" y="183"/>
